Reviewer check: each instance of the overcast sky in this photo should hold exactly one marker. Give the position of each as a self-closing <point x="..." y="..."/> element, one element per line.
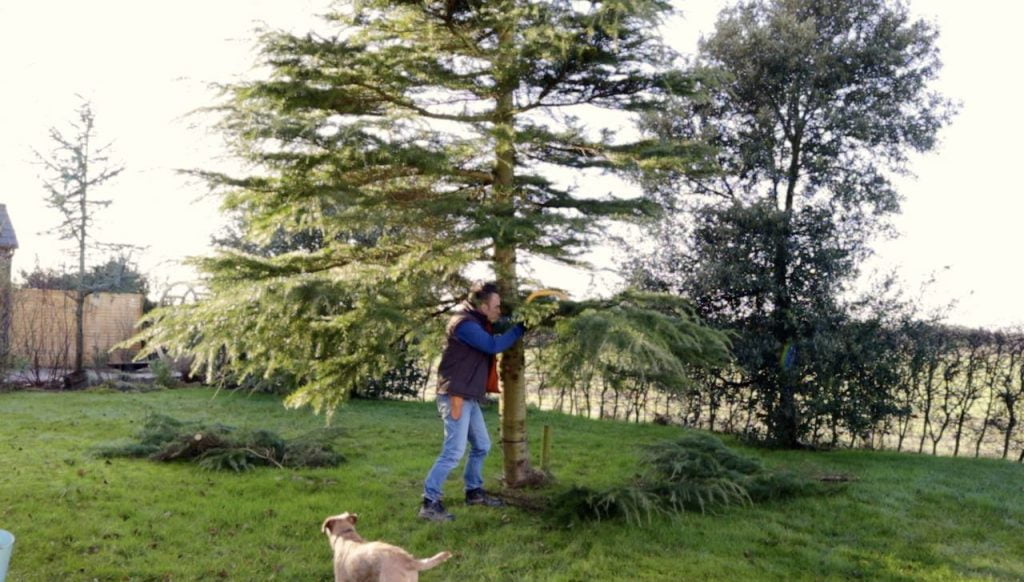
<point x="144" y="65"/>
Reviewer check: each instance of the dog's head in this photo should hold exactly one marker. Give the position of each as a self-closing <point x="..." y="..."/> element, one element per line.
<point x="339" y="525"/>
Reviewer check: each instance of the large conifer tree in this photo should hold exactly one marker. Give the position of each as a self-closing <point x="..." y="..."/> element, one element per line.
<point x="417" y="140"/>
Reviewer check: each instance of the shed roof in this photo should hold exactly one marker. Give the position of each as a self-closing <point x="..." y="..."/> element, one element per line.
<point x="8" y="240"/>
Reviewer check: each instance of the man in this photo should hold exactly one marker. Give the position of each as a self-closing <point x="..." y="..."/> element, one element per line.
<point x="468" y="371"/>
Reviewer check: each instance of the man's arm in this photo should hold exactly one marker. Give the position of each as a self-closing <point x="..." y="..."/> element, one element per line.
<point x="472" y="334"/>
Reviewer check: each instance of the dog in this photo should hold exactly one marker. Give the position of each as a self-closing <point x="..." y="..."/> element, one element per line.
<point x="356" y="560"/>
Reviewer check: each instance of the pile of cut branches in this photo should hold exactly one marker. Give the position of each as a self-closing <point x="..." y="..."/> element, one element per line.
<point x="694" y="473"/>
<point x="221" y="447"/>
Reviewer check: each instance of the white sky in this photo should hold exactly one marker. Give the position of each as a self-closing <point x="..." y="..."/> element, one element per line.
<point x="145" y="65"/>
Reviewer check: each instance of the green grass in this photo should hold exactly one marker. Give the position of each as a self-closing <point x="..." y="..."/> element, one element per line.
<point x="76" y="517"/>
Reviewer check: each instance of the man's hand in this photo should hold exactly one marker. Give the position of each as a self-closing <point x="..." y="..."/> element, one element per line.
<point x="456" y="406"/>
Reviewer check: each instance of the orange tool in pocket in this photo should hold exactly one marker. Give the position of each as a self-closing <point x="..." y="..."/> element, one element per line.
<point x="456" y="407"/>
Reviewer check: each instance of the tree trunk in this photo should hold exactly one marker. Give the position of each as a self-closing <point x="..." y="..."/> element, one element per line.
<point x="984" y="422"/>
<point x="785" y="423"/>
<point x="645" y="396"/>
<point x="958" y="435"/>
<point x="834" y="427"/>
<point x="79" y="331"/>
<point x="585" y="389"/>
<point x="515" y="447"/>
<point x="991" y="373"/>
<point x="541" y="380"/>
<point x="1010" y="426"/>
<point x="929" y="395"/>
<point x="714" y="408"/>
<point x="80" y="294"/>
<point x="517" y="470"/>
<point x="937" y="436"/>
<point x="604" y="399"/>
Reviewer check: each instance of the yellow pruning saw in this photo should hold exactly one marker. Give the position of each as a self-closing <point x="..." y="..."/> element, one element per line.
<point x="548" y="293"/>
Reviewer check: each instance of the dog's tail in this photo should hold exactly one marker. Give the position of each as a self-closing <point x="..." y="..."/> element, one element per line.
<point x="428" y="563"/>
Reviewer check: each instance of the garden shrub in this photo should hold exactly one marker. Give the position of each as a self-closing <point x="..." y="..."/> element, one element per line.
<point x="162" y="373"/>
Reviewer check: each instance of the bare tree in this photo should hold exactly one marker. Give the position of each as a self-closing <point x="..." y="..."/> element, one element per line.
<point x="953" y="362"/>
<point x="1013" y="390"/>
<point x="995" y="361"/>
<point x="74" y="169"/>
<point x="908" y="389"/>
<point x="969" y="391"/>
<point x="935" y="346"/>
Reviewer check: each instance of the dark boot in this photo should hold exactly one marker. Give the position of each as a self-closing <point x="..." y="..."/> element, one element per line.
<point x="480" y="497"/>
<point x="434" y="511"/>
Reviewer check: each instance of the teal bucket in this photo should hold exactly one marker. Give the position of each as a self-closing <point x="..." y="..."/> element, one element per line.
<point x="6" y="547"/>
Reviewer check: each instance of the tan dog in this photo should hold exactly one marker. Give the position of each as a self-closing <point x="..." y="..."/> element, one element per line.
<point x="356" y="560"/>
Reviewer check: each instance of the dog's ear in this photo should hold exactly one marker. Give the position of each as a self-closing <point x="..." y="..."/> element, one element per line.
<point x="328" y="524"/>
<point x="349" y="517"/>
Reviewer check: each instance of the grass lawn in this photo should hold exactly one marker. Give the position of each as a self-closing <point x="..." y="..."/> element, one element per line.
<point x="77" y="517"/>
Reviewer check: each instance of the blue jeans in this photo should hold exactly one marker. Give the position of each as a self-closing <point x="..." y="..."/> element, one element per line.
<point x="469" y="428"/>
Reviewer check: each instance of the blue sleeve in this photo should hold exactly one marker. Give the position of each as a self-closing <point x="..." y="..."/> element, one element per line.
<point x="473" y="335"/>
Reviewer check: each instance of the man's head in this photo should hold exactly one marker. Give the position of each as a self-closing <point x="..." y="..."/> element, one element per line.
<point x="485" y="299"/>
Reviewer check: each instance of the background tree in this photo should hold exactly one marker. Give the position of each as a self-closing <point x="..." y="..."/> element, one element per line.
<point x="1012" y="393"/>
<point x="994" y="365"/>
<point x="973" y="343"/>
<point x="951" y="394"/>
<point x="75" y="167"/>
<point x="119" y="274"/>
<point x="434" y="126"/>
<point x="813" y="105"/>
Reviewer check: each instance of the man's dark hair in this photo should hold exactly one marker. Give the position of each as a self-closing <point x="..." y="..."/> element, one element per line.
<point x="480" y="292"/>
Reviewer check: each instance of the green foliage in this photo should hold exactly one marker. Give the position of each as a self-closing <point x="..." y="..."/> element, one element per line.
<point x="234" y="237"/>
<point x="537" y="313"/>
<point x="694" y="473"/>
<point x="224" y="459"/>
<point x="127" y="450"/>
<point x="777" y="485"/>
<point x="578" y="504"/>
<point x="161" y="370"/>
<point x="813" y="106"/>
<point x="118" y="275"/>
<point x="280" y="383"/>
<point x="313" y="449"/>
<point x="633" y="339"/>
<point x="388" y="157"/>
<point x="220" y="447"/>
<point x="159" y="429"/>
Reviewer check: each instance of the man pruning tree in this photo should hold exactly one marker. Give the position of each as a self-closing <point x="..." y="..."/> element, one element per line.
<point x="468" y="371"/>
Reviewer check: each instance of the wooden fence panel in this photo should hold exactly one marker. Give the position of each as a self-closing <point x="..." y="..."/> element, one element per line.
<point x="43" y="327"/>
